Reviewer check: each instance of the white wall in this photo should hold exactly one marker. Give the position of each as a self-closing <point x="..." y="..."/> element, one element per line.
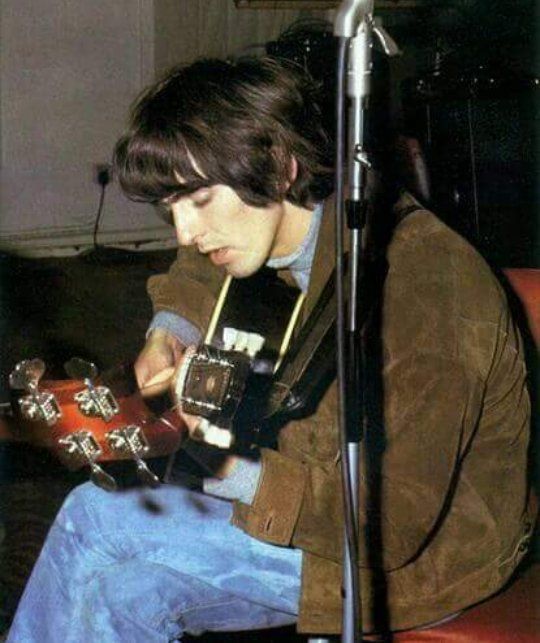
<point x="69" y="70"/>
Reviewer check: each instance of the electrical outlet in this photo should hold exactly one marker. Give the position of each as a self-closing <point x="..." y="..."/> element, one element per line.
<point x="102" y="173"/>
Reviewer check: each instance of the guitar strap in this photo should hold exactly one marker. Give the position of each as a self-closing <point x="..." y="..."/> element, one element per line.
<point x="310" y="360"/>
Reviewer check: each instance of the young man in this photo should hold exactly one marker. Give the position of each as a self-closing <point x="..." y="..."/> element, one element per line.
<point x="235" y="152"/>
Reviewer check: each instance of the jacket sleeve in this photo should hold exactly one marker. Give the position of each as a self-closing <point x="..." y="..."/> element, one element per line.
<point x="189" y="289"/>
<point x="429" y="404"/>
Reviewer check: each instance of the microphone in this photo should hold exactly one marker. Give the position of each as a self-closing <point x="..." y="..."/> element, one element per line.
<point x="349" y="15"/>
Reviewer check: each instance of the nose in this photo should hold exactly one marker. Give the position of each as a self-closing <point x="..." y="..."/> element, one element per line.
<point x="186" y="222"/>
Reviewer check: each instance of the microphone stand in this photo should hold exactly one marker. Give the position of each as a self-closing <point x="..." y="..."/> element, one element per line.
<point x="355" y="28"/>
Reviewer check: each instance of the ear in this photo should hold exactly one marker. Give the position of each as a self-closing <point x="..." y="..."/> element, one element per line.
<point x="288" y="168"/>
<point x="293" y="170"/>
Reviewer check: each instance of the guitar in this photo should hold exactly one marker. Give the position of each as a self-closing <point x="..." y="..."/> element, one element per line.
<point x="87" y="420"/>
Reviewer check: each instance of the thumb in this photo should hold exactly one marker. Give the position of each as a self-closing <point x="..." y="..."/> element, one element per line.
<point x="158" y="383"/>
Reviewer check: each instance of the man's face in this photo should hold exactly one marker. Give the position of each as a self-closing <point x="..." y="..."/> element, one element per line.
<point x="235" y="235"/>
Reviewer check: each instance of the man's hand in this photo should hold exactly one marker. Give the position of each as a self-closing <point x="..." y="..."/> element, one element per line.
<point x="157" y="362"/>
<point x="156" y="370"/>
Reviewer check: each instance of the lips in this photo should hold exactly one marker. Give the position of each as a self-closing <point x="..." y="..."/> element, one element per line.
<point x="219" y="256"/>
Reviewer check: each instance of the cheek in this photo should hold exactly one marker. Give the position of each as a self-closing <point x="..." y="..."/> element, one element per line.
<point x="260" y="233"/>
<point x="245" y="225"/>
<point x="266" y="222"/>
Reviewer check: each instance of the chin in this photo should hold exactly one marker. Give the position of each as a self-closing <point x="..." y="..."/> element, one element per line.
<point x="239" y="270"/>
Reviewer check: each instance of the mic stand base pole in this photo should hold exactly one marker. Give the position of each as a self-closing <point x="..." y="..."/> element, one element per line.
<point x="350" y="619"/>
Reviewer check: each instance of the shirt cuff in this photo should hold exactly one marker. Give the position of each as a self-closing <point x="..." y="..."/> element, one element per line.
<point x="276" y="505"/>
<point x="181" y="328"/>
<point x="241" y="484"/>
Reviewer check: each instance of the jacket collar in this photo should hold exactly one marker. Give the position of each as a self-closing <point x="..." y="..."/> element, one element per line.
<point x="324" y="258"/>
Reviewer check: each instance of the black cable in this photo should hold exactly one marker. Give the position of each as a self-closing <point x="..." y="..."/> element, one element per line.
<point x="348" y="499"/>
<point x="103" y="180"/>
<point x="98" y="216"/>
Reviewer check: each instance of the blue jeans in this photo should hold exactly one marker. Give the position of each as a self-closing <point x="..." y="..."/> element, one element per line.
<point x="149" y="565"/>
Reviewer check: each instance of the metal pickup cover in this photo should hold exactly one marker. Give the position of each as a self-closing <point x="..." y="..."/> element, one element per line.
<point x="211" y="382"/>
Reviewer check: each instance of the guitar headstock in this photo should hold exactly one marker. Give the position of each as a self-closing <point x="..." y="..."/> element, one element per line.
<point x="85" y="421"/>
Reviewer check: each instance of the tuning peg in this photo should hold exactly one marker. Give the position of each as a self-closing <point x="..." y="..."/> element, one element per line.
<point x="101" y="478"/>
<point x="26" y="374"/>
<point x="145" y="475"/>
<point x="130" y="440"/>
<point x="254" y="344"/>
<point x="229" y="337"/>
<point x="81" y="369"/>
<point x="94" y="401"/>
<point x="82" y="446"/>
<point x="37" y="405"/>
<point x="240" y="340"/>
<point x="213" y="435"/>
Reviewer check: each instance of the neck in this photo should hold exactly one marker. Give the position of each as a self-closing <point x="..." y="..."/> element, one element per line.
<point x="293" y="227"/>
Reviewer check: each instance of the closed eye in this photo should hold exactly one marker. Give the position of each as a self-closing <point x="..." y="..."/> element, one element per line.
<point x="201" y="197"/>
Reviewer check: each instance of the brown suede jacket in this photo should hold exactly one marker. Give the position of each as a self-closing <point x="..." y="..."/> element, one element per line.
<point x="448" y="513"/>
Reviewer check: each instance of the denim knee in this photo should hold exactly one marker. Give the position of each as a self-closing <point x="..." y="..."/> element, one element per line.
<point x="81" y="508"/>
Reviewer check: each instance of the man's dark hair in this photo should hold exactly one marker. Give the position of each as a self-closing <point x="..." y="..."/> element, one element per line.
<point x="233" y="123"/>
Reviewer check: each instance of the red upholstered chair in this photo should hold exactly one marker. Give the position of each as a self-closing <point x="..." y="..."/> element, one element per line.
<point x="526" y="284"/>
<point x="513" y="616"/>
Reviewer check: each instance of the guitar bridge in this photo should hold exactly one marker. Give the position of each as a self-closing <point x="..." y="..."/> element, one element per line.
<point x="97" y="401"/>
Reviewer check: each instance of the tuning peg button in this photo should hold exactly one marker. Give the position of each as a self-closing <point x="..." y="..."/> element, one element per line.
<point x="37" y="406"/>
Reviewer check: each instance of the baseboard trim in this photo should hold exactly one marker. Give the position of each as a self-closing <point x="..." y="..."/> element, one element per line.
<point x="72" y="241"/>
